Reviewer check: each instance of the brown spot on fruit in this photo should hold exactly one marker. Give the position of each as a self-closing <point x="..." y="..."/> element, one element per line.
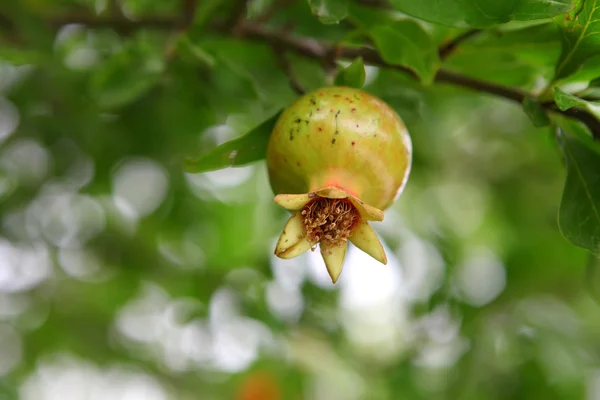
<point x="332" y="141"/>
<point x="320" y="129"/>
<point x="353" y="143"/>
<point x="353" y="110"/>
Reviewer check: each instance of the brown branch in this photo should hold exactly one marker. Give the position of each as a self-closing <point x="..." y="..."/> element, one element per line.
<point x="318" y="50"/>
<point x="323" y="51"/>
<point x="477" y="85"/>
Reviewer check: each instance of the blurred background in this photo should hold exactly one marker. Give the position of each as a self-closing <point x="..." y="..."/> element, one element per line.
<point x="124" y="277"/>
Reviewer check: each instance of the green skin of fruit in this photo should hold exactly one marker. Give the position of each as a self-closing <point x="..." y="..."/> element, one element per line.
<point x="341" y="137"/>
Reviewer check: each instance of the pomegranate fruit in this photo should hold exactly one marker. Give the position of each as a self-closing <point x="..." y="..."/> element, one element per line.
<point x="337" y="158"/>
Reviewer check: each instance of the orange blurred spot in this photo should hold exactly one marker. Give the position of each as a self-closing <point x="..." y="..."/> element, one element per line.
<point x="259" y="386"/>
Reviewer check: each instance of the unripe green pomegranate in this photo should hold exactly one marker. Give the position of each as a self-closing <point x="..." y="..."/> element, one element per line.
<point x="337" y="158"/>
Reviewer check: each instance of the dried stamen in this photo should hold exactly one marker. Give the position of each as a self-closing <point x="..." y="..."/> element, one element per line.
<point x="329" y="221"/>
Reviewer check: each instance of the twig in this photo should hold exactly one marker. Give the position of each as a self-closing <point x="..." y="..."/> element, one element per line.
<point x="286" y="67"/>
<point x="448" y="48"/>
<point x="188" y="10"/>
<point x="237" y="15"/>
<point x="186" y="19"/>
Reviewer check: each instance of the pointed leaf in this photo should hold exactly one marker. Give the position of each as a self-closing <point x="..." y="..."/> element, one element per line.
<point x="353" y="75"/>
<point x="580" y="38"/>
<point x="292" y="202"/>
<point x="592" y="277"/>
<point x="292" y="241"/>
<point x="406" y="44"/>
<point x="366" y="211"/>
<point x="535" y="112"/>
<point x="365" y="238"/>
<point x="334" y="259"/>
<point x="564" y="101"/>
<point x="579" y="214"/>
<point x="329" y="11"/>
<point x="331" y="192"/>
<point x="241" y="151"/>
<point x="481" y="13"/>
<point x="575" y="129"/>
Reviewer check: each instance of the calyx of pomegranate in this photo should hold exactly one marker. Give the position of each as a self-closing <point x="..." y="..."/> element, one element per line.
<point x="329" y="217"/>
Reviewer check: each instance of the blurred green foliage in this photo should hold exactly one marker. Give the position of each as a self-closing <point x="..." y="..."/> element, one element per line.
<point x="125" y="276"/>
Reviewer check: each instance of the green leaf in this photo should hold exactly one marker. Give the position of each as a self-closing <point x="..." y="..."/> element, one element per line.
<point x="592" y="277"/>
<point x="329" y="11"/>
<point x="406" y="44"/>
<point x="535" y="112"/>
<point x="204" y="11"/>
<point x="564" y="101"/>
<point x="353" y="75"/>
<point x="579" y="213"/>
<point x="20" y="56"/>
<point x="537" y="45"/>
<point x="580" y="38"/>
<point x="238" y="152"/>
<point x="587" y="72"/>
<point x="516" y="57"/>
<point x="368" y="17"/>
<point x="257" y="7"/>
<point x="576" y="129"/>
<point x="127" y="75"/>
<point x="481" y="13"/>
<point x="185" y="47"/>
